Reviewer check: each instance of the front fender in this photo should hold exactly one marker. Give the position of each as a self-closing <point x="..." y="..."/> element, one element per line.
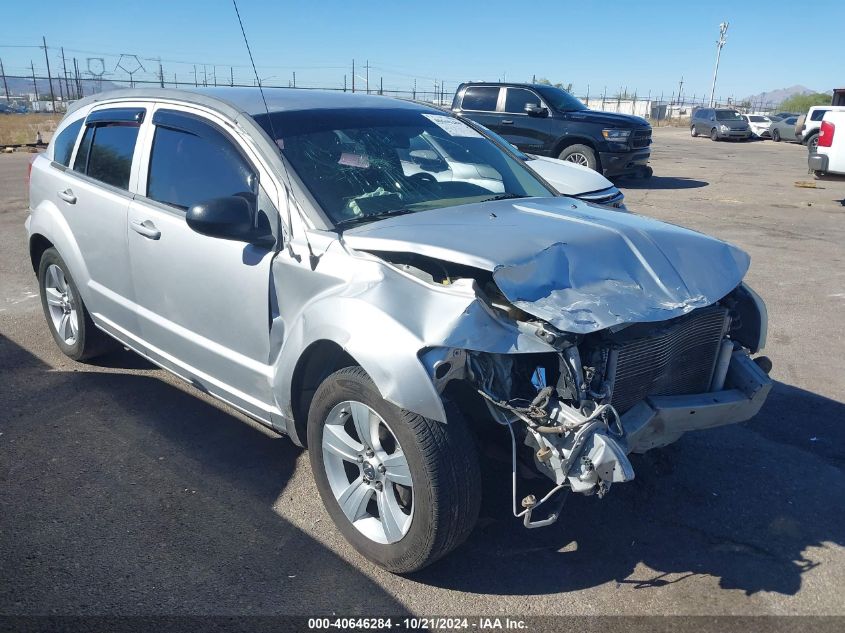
<point x="383" y="318"/>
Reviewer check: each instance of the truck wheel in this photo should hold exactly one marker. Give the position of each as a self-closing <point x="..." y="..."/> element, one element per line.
<point x="813" y="144"/>
<point x="580" y="155"/>
<point x="68" y="319"/>
<point x="402" y="489"/>
<point x="714" y="135"/>
<point x="776" y="136"/>
<point x="692" y="131"/>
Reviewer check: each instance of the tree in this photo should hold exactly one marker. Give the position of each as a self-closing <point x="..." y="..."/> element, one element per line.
<point x="544" y="81"/>
<point x="802" y="103"/>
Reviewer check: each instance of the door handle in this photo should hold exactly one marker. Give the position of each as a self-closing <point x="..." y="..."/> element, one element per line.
<point x="507" y="122"/>
<point x="146" y="228"/>
<point x="67" y="195"/>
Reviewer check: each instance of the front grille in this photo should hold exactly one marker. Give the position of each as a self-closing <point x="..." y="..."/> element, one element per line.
<point x="675" y="359"/>
<point x="641" y="138"/>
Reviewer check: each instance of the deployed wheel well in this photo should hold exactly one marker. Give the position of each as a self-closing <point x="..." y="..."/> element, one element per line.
<point x="37" y="245"/>
<point x="319" y="360"/>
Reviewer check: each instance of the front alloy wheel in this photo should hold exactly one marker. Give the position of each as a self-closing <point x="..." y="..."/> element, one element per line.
<point x="368" y="472"/>
<point x="403" y="489"/>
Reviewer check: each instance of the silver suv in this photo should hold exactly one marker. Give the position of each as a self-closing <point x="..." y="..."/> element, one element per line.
<point x="294" y="257"/>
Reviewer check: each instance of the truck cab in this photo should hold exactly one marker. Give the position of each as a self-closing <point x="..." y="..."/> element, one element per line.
<point x="547" y="121"/>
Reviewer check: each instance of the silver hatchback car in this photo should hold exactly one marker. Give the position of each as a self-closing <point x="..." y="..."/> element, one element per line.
<point x="295" y="255"/>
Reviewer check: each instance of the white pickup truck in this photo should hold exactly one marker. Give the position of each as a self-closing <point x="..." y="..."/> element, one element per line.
<point x="829" y="157"/>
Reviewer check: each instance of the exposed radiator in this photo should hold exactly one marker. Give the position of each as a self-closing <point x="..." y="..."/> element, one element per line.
<point x="675" y="359"/>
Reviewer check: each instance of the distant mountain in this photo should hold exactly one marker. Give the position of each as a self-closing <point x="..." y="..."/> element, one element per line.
<point x="773" y="97"/>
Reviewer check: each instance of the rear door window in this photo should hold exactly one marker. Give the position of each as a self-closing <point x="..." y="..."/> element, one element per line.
<point x="192" y="161"/>
<point x="108" y="145"/>
<point x="65" y="141"/>
<point x="517" y="98"/>
<point x="480" y="98"/>
<point x="818" y="115"/>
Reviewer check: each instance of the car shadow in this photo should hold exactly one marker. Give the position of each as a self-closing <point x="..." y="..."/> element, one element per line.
<point x="741" y="503"/>
<point x="660" y="182"/>
<point x="122" y="494"/>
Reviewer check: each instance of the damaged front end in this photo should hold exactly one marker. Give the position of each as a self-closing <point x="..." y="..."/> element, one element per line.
<point x="578" y="413"/>
<point x="639" y="342"/>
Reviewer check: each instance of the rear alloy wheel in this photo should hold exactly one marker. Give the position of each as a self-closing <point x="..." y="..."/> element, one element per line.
<point x="402" y="489"/>
<point x="776" y="136"/>
<point x="68" y="319"/>
<point x="580" y="155"/>
<point x="692" y="131"/>
<point x="714" y="134"/>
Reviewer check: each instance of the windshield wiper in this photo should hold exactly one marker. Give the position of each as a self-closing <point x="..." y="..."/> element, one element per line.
<point x="504" y="196"/>
<point x="373" y="216"/>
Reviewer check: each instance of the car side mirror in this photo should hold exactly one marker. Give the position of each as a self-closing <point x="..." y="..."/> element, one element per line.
<point x="533" y="109"/>
<point x="228" y="217"/>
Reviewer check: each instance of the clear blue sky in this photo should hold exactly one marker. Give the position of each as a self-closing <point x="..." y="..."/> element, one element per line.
<point x="639" y="45"/>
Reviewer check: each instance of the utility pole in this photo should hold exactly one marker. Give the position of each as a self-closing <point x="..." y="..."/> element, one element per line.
<point x="381" y="85"/>
<point x="367" y="75"/>
<point x="723" y="29"/>
<point x="533" y="79"/>
<point x="49" y="76"/>
<point x="5" y="86"/>
<point x="214" y="74"/>
<point x="64" y="68"/>
<point x="195" y="76"/>
<point x="680" y="87"/>
<point x="231" y="77"/>
<point x="353" y="75"/>
<point x="160" y="74"/>
<point x="294" y="79"/>
<point x="415" y="89"/>
<point x="175" y="81"/>
<point x="204" y="76"/>
<point x="34" y="83"/>
<point x="79" y="89"/>
<point x="344" y="83"/>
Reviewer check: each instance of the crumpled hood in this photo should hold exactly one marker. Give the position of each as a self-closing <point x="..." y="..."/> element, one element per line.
<point x="579" y="267"/>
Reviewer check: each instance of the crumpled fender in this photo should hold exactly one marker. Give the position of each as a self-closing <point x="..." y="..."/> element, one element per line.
<point x="383" y="318"/>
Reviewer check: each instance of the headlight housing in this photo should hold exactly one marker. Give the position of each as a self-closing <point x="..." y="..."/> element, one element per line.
<point x="724" y="128"/>
<point x="616" y="136"/>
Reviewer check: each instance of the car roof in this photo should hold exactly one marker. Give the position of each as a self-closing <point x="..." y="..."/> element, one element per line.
<point x="250" y="100"/>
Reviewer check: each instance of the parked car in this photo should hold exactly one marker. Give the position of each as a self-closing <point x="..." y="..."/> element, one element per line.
<point x="829" y="157"/>
<point x="271" y="250"/>
<point x="719" y="124"/>
<point x="547" y="121"/>
<point x="567" y="178"/>
<point x="760" y="125"/>
<point x="784" y="130"/>
<point x="783" y="115"/>
<point x="807" y="127"/>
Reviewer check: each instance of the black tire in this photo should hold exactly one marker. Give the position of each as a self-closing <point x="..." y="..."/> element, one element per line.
<point x="584" y="153"/>
<point x="90" y="340"/>
<point x="813" y="144"/>
<point x="776" y="136"/>
<point x="692" y="131"/>
<point x="443" y="463"/>
<point x="714" y="134"/>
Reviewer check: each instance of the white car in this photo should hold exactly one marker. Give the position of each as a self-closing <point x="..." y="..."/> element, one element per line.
<point x="807" y="128"/>
<point x="829" y="157"/>
<point x="568" y="178"/>
<point x="759" y="124"/>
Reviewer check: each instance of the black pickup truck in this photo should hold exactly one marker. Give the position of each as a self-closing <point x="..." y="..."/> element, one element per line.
<point x="547" y="121"/>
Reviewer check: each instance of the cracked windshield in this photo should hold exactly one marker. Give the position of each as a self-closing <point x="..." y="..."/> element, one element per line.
<point x="361" y="165"/>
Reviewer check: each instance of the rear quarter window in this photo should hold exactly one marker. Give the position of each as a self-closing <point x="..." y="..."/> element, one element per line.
<point x="818" y="115"/>
<point x="480" y="98"/>
<point x="65" y="141"/>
